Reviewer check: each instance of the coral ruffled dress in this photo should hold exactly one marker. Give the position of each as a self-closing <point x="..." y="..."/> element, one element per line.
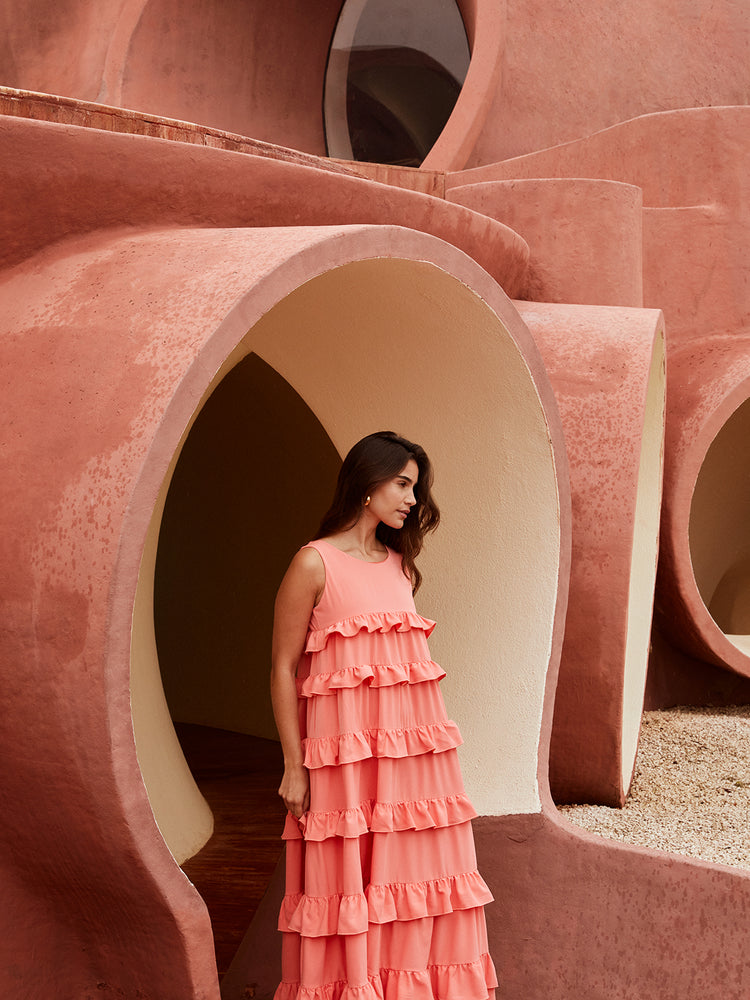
<point x="383" y="898"/>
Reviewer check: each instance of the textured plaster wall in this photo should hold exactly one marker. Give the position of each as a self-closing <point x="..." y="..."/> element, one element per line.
<point x="571" y="69"/>
<point x="607" y="369"/>
<point x="213" y="63"/>
<point x="119" y="338"/>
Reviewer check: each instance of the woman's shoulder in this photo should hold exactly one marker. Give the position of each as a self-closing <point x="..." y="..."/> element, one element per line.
<point x="307" y="563"/>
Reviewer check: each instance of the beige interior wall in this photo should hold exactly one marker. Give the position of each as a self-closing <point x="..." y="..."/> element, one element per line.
<point x="645" y="556"/>
<point x="254" y="477"/>
<point x="400" y="344"/>
<point x="183" y="816"/>
<point x="720" y="527"/>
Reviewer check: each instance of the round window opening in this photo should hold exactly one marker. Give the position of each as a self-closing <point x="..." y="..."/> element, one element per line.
<point x="395" y="71"/>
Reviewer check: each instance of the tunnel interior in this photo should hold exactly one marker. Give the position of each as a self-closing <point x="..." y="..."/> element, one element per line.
<point x="720" y="529"/>
<point x="253" y="479"/>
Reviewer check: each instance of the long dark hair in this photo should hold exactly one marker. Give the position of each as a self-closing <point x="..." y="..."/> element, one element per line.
<point x="376" y="459"/>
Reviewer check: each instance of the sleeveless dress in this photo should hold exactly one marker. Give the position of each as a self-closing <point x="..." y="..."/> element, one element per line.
<point x="383" y="898"/>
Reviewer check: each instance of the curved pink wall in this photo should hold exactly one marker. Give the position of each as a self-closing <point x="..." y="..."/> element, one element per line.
<point x="255" y="68"/>
<point x="692" y="167"/>
<point x="252" y="68"/>
<point x="581" y="916"/>
<point x="94" y="180"/>
<point x="58" y="47"/>
<point x="541" y="73"/>
<point x="585" y="236"/>
<point x="708" y="381"/>
<point x="486" y="29"/>
<point x="571" y="69"/>
<point x="600" y="361"/>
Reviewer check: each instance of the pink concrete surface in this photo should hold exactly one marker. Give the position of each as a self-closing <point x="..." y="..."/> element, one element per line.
<point x="111" y="340"/>
<point x="599" y="360"/>
<point x="95" y="180"/>
<point x="253" y="68"/>
<point x="578" y="916"/>
<point x="88" y="114"/>
<point x="541" y="73"/>
<point x="681" y="157"/>
<point x="692" y="166"/>
<point x="486" y="30"/>
<point x="571" y="69"/>
<point x="707" y="382"/>
<point x="585" y="236"/>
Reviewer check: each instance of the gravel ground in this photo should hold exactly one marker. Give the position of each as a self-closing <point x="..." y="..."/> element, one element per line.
<point x="691" y="791"/>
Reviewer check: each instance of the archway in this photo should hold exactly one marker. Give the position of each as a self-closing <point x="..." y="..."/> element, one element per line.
<point x="372" y="326"/>
<point x="252" y="478"/>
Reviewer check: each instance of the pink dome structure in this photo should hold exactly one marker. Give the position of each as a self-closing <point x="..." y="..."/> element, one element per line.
<point x="173" y="228"/>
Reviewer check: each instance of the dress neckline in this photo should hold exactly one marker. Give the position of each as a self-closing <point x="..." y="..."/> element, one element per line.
<point x="365" y="562"/>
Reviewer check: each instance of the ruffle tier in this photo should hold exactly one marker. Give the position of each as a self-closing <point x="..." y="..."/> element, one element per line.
<point x="436" y="982"/>
<point x="373" y="621"/>
<point x="388" y="816"/>
<point x="377" y="674"/>
<point x="381" y="817"/>
<point x="345" y="748"/>
<point x="342" y="913"/>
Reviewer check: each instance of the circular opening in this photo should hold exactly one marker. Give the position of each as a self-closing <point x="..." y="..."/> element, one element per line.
<point x="395" y="71"/>
<point x="719" y="533"/>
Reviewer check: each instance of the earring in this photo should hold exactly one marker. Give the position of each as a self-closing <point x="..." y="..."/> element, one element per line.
<point x="367" y="502"/>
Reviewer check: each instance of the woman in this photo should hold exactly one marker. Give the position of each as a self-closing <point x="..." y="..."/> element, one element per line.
<point x="383" y="898"/>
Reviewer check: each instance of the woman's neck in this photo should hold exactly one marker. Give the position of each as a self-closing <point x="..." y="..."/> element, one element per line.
<point x="361" y="539"/>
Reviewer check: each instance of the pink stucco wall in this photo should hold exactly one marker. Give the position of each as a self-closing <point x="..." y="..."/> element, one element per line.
<point x="640" y="95"/>
<point x="217" y="64"/>
<point x="573" y="69"/>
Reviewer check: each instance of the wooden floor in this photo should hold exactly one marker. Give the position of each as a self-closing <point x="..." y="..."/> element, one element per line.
<point x="239" y="776"/>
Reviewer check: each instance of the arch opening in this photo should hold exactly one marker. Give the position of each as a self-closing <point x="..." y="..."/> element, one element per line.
<point x="252" y="476"/>
<point x="395" y="71"/>
<point x="719" y="529"/>
<point x="409" y="346"/>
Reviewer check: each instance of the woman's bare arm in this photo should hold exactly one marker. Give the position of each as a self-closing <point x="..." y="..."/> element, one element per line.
<point x="298" y="594"/>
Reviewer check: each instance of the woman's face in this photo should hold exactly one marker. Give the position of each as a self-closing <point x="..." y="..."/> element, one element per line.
<point x="391" y="501"/>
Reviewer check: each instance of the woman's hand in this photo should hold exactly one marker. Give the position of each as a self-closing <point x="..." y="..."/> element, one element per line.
<point x="295" y="790"/>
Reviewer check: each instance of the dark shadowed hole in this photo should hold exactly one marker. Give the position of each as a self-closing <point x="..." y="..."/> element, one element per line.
<point x="394" y="75"/>
<point x="255" y="474"/>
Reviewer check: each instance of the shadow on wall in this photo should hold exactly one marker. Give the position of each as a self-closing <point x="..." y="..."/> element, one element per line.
<point x="253" y="479"/>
